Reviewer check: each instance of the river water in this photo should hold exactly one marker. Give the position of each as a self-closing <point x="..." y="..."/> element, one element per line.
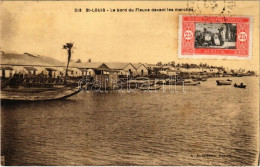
<point x="206" y="125"/>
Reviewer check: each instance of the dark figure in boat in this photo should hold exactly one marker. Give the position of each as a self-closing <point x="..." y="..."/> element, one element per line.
<point x="241" y="85"/>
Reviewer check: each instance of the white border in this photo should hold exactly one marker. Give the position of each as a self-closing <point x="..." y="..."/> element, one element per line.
<point x="193" y="56"/>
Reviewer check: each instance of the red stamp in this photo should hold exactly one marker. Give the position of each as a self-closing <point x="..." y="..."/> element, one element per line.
<point x="224" y="37"/>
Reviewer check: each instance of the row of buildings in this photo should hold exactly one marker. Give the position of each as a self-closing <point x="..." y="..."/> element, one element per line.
<point x="48" y="66"/>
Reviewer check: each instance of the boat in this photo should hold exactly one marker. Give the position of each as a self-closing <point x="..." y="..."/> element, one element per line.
<point x="240" y="86"/>
<point x="37" y="94"/>
<point x="203" y="79"/>
<point x="224" y="82"/>
<point x="190" y="82"/>
<point x="150" y="87"/>
<point x="38" y="88"/>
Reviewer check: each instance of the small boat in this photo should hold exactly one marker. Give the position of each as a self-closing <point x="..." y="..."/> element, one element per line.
<point x="150" y="87"/>
<point x="224" y="82"/>
<point x="38" y="94"/>
<point x="203" y="79"/>
<point x="240" y="86"/>
<point x="190" y="82"/>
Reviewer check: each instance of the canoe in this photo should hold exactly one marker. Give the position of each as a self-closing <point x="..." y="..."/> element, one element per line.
<point x="224" y="82"/>
<point x="199" y="79"/>
<point x="191" y="83"/>
<point x="38" y="94"/>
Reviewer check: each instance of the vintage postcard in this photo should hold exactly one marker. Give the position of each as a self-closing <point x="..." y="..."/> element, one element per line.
<point x="129" y="83"/>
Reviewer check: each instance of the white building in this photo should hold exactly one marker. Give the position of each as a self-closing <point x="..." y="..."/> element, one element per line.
<point x="89" y="68"/>
<point x="122" y="68"/>
<point x="141" y="69"/>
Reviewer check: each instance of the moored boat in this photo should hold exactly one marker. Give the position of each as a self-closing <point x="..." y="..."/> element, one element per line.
<point x="224" y="82"/>
<point x="190" y="83"/>
<point x="203" y="79"/>
<point x="38" y="94"/>
<point x="32" y="87"/>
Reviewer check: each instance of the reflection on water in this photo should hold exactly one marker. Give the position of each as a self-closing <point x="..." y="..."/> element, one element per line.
<point x="207" y="125"/>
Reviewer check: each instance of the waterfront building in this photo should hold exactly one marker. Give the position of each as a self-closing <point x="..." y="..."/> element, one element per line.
<point x="141" y="69"/>
<point x="90" y="68"/>
<point x="122" y="68"/>
<point x="12" y="63"/>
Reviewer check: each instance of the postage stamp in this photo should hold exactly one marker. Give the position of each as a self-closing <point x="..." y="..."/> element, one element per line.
<point x="215" y="37"/>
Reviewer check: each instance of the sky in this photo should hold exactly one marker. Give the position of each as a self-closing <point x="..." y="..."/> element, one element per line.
<point x="42" y="28"/>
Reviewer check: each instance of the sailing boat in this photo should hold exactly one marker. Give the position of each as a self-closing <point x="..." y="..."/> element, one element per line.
<point x="14" y="88"/>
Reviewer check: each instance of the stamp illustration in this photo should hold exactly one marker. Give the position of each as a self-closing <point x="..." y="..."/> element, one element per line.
<point x="215" y="37"/>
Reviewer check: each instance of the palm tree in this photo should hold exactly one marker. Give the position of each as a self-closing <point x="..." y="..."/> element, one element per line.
<point x="68" y="46"/>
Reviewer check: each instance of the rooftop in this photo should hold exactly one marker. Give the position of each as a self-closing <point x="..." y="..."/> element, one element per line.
<point x="117" y="65"/>
<point x="28" y="59"/>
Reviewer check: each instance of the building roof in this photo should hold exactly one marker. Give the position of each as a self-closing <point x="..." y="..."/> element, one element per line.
<point x="150" y="65"/>
<point x="6" y="68"/>
<point x="27" y="59"/>
<point x="50" y="69"/>
<point x="22" y="59"/>
<point x="30" y="68"/>
<point x="92" y="65"/>
<point x="137" y="65"/>
<point x="117" y="65"/>
<point x="52" y="61"/>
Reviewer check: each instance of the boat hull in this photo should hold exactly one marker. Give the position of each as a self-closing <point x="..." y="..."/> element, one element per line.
<point x="34" y="94"/>
<point x="221" y="82"/>
<point x="240" y="86"/>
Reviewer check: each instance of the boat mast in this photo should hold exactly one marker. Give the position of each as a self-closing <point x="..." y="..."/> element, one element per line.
<point x="68" y="46"/>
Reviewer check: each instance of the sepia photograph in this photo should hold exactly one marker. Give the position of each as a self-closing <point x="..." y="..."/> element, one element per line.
<point x="215" y="35"/>
<point x="129" y="83"/>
